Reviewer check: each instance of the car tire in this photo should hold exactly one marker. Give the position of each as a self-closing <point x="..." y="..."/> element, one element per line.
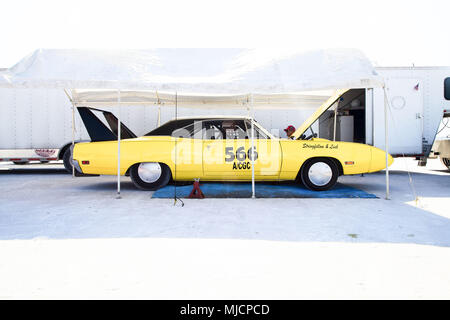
<point x="319" y="174"/>
<point x="20" y="162"/>
<point x="150" y="176"/>
<point x="67" y="160"/>
<point x="446" y="162"/>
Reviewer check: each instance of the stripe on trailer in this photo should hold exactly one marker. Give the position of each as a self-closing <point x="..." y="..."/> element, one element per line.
<point x="15" y="159"/>
<point x="51" y="159"/>
<point x="34" y="159"/>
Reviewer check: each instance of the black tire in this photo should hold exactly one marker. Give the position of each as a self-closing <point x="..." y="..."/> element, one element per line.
<point x="446" y="162"/>
<point x="67" y="160"/>
<point x="20" y="162"/>
<point x="324" y="162"/>
<point x="162" y="181"/>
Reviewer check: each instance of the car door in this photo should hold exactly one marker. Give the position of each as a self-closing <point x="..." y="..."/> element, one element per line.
<point x="187" y="151"/>
<point x="221" y="140"/>
<point x="227" y="151"/>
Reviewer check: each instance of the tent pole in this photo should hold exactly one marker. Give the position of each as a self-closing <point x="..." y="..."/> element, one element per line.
<point x="73" y="129"/>
<point x="252" y="146"/>
<point x="335" y="116"/>
<point x="159" y="109"/>
<point x="159" y="115"/>
<point x="386" y="149"/>
<point x="118" y="145"/>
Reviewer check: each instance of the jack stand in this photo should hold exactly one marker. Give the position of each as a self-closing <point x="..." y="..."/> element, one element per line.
<point x="196" y="193"/>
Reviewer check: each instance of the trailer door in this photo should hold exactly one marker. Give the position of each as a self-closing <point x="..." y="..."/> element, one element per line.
<point x="405" y="117"/>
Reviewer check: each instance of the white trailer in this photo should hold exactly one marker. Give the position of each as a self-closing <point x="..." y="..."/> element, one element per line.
<point x="419" y="99"/>
<point x="36" y="124"/>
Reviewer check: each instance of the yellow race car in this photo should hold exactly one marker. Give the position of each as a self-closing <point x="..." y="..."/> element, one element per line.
<point x="219" y="148"/>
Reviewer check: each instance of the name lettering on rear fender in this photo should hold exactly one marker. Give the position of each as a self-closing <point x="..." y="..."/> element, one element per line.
<point x="320" y="146"/>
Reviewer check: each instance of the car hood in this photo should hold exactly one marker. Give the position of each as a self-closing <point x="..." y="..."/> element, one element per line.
<point x="324" y="107"/>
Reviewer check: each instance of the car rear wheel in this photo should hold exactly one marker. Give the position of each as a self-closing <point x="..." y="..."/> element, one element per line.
<point x="150" y="175"/>
<point x="67" y="160"/>
<point x="320" y="174"/>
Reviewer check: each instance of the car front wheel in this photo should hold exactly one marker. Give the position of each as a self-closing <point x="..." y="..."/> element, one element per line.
<point x="150" y="175"/>
<point x="320" y="174"/>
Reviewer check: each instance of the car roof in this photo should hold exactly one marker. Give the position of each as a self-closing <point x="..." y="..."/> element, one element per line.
<point x="162" y="130"/>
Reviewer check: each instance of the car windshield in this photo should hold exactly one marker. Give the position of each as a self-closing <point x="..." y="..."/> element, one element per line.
<point x="259" y="133"/>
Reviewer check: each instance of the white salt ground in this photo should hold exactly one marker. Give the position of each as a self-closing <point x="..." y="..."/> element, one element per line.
<point x="70" y="238"/>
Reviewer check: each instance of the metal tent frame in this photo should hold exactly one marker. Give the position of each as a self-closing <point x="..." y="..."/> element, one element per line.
<point x="203" y="71"/>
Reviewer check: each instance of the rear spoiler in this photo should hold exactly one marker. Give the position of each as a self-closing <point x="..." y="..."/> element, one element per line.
<point x="98" y="131"/>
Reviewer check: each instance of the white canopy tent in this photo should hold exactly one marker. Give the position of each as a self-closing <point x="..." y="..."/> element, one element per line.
<point x="195" y="77"/>
<point x="194" y="71"/>
<point x="104" y="98"/>
<point x="99" y="98"/>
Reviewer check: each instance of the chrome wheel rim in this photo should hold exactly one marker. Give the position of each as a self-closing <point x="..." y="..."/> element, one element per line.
<point x="149" y="172"/>
<point x="320" y="173"/>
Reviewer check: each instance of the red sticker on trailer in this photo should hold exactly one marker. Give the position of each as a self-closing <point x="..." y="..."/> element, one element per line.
<point x="44" y="152"/>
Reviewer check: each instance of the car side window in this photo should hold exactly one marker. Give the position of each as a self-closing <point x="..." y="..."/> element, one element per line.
<point x="212" y="130"/>
<point x="234" y="129"/>
<point x="189" y="131"/>
<point x="224" y="129"/>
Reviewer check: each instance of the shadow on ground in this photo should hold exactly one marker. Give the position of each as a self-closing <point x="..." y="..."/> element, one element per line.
<point x="57" y="206"/>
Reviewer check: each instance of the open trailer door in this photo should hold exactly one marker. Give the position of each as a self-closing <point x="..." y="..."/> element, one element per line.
<point x="405" y="115"/>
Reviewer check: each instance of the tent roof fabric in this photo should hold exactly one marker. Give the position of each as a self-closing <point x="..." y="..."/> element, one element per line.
<point x="102" y="98"/>
<point x="194" y="71"/>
